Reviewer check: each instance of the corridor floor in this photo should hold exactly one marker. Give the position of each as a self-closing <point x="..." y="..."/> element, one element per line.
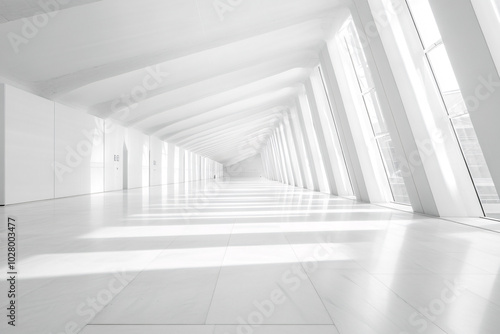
<point x="246" y="256"/>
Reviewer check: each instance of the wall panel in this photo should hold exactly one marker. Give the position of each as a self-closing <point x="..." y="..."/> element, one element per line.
<point x="114" y="155"/>
<point x="155" y="161"/>
<point x="164" y="163"/>
<point x="29" y="147"/>
<point x="137" y="153"/>
<point x="79" y="152"/>
<point x="171" y="164"/>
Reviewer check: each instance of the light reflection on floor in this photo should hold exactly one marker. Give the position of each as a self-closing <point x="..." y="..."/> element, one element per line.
<point x="212" y="259"/>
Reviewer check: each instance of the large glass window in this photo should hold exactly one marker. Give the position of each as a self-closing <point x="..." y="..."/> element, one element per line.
<point x="392" y="164"/>
<point x="313" y="142"/>
<point x="331" y="132"/>
<point x="496" y="6"/>
<point x="435" y="52"/>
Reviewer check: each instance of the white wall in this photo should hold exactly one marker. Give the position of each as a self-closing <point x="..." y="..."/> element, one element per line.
<point x="29" y="147"/>
<point x="79" y="152"/>
<point x="137" y="152"/>
<point x="155" y="161"/>
<point x="251" y="167"/>
<point x="171" y="164"/>
<point x="198" y="161"/>
<point x="187" y="166"/>
<point x="181" y="170"/>
<point x="164" y="163"/>
<point x="48" y="150"/>
<point x="114" y="145"/>
<point x="203" y="168"/>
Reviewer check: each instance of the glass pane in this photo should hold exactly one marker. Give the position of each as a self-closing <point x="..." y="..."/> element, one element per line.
<point x="376" y="117"/>
<point x="358" y="58"/>
<point x="447" y="82"/>
<point x="496" y="6"/>
<point x="425" y="22"/>
<point x="337" y="144"/>
<point x="360" y="64"/>
<point x="477" y="165"/>
<point x="393" y="169"/>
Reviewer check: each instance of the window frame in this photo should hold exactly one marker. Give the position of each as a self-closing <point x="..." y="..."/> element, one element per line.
<point x="426" y="52"/>
<point x="363" y="92"/>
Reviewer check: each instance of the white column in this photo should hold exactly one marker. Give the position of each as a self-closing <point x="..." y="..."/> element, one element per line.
<point x="281" y="157"/>
<point x="393" y="110"/>
<point x="476" y="73"/>
<point x="320" y="137"/>
<point x="296" y="162"/>
<point x="276" y="158"/>
<point x="307" y="147"/>
<point x="286" y="154"/>
<point x="306" y="119"/>
<point x="307" y="178"/>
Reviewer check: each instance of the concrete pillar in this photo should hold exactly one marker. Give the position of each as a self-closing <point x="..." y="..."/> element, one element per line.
<point x="297" y="162"/>
<point x="272" y="165"/>
<point x="306" y="120"/>
<point x="171" y="164"/>
<point x="288" y="156"/>
<point x="277" y="159"/>
<point x="272" y="162"/>
<point x="307" y="147"/>
<point x="282" y="157"/>
<point x="301" y="150"/>
<point x="321" y="138"/>
<point x="181" y="165"/>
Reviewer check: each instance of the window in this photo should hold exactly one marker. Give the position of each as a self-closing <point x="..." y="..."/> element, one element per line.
<point x="331" y="132"/>
<point x="496" y="7"/>
<point x="393" y="166"/>
<point x="314" y="145"/>
<point x="440" y="65"/>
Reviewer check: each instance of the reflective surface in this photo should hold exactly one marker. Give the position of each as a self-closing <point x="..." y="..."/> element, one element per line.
<point x="393" y="166"/>
<point x="247" y="257"/>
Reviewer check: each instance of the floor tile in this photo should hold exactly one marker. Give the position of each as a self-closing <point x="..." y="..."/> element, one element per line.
<point x="176" y="296"/>
<point x="266" y="294"/>
<point x="276" y="329"/>
<point x="148" y="329"/>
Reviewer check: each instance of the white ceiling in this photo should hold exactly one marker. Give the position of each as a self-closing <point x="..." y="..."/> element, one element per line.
<point x="222" y="83"/>
<point x="11" y="10"/>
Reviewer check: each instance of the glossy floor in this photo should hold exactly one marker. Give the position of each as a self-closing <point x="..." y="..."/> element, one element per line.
<point x="246" y="257"/>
